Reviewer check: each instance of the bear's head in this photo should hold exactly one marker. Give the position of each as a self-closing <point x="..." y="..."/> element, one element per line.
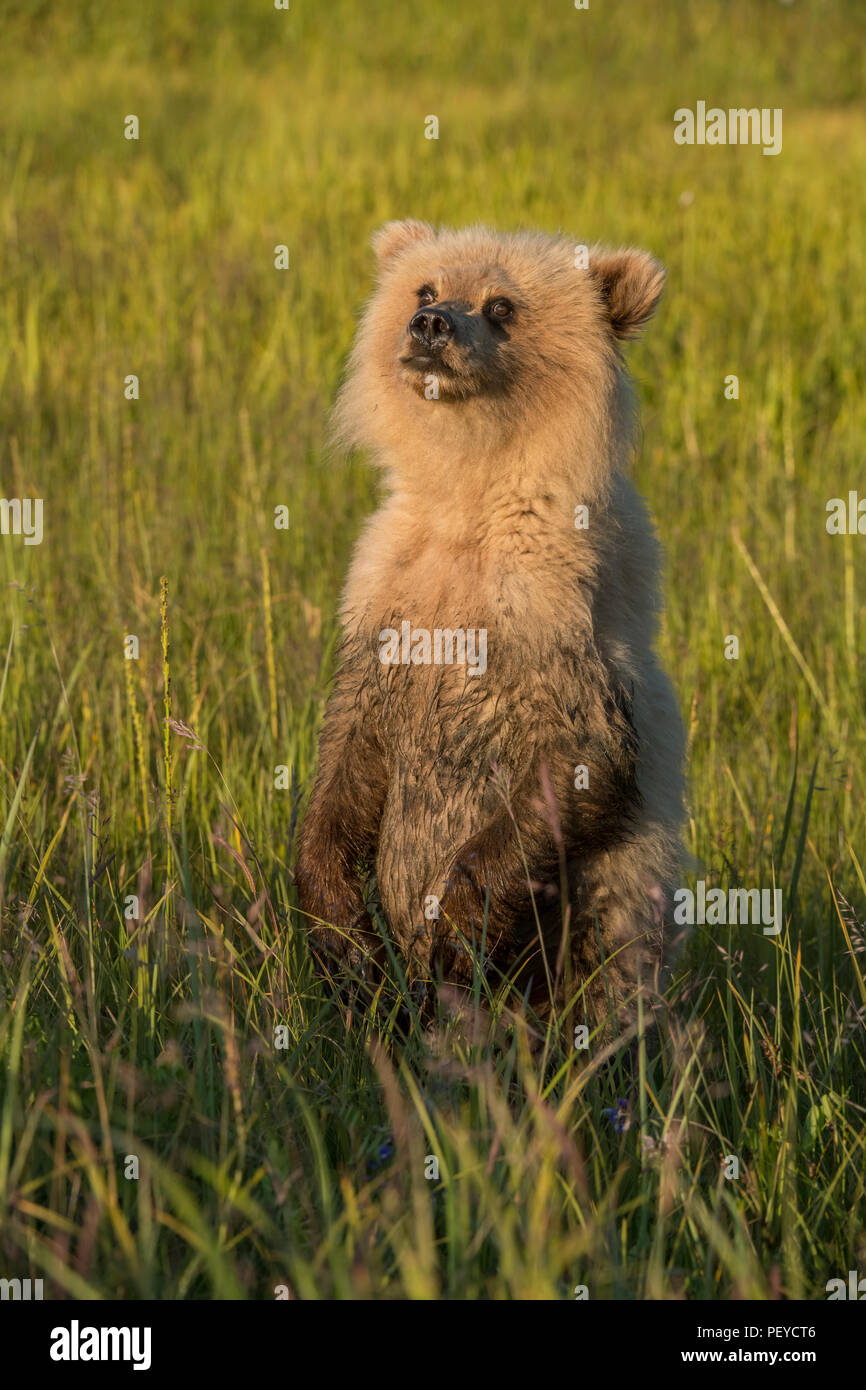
<point x="473" y="339"/>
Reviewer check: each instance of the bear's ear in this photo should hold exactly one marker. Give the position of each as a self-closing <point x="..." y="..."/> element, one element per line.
<point x="396" y="236"/>
<point x="631" y="283"/>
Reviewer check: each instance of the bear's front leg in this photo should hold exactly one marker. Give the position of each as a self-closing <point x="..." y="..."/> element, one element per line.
<point x="341" y="827"/>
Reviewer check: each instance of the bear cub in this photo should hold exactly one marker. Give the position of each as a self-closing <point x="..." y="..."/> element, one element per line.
<point x="502" y="747"/>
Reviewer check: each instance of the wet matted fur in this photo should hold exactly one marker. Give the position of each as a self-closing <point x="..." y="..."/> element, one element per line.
<point x="452" y="784"/>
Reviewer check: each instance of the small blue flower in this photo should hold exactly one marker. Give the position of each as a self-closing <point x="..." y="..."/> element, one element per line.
<point x="618" y="1116"/>
<point x="386" y="1151"/>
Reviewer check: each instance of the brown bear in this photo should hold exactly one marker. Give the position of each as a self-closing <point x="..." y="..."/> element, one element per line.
<point x="502" y="746"/>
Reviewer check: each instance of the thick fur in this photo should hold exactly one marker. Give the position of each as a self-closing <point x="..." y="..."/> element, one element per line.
<point x="450" y="784"/>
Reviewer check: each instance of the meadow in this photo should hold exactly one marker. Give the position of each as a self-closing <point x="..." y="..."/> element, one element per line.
<point x="160" y="1136"/>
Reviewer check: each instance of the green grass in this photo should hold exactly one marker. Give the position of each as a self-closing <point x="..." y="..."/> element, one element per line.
<point x="155" y="1037"/>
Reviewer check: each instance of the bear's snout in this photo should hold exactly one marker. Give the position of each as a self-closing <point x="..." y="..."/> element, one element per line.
<point x="432" y="328"/>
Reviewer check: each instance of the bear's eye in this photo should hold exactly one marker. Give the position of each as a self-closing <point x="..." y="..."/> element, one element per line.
<point x="499" y="309"/>
<point x="426" y="295"/>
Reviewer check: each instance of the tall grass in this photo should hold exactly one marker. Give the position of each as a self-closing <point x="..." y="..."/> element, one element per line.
<point x="148" y="947"/>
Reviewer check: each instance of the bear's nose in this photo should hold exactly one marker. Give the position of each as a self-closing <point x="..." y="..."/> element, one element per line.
<point x="431" y="327"/>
